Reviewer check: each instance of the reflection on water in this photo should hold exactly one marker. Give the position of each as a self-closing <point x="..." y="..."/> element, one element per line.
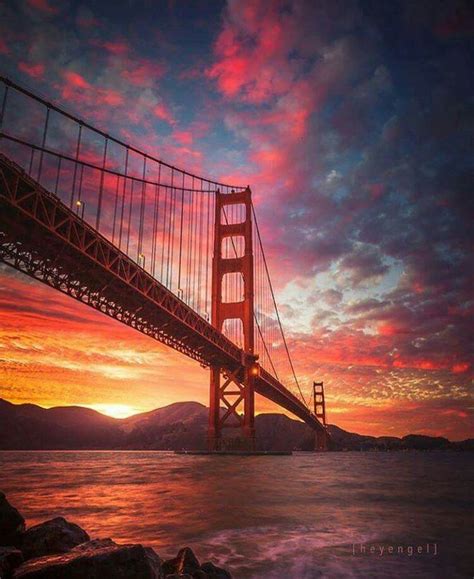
<point x="265" y="516"/>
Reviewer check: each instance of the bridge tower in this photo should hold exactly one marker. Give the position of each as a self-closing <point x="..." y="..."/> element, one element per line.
<point x="321" y="441"/>
<point x="233" y="390"/>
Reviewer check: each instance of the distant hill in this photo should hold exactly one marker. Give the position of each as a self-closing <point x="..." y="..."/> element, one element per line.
<point x="182" y="425"/>
<point x="26" y="426"/>
<point x="177" y="426"/>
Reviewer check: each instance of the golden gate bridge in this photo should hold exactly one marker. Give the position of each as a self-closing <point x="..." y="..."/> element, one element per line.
<point x="171" y="254"/>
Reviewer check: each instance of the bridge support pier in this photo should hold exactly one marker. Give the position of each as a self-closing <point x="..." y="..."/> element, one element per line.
<point x="232" y="393"/>
<point x="320" y="441"/>
<point x="320" y="436"/>
<point x="227" y="393"/>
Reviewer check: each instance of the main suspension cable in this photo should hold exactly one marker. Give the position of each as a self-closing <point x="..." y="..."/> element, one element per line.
<point x="276" y="307"/>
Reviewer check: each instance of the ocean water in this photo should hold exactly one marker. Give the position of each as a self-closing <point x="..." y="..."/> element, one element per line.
<point x="301" y="516"/>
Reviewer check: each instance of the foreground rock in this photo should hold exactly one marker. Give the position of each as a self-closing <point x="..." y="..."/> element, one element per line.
<point x="10" y="559"/>
<point x="186" y="564"/>
<point x="94" y="544"/>
<point x="95" y="562"/>
<point x="58" y="549"/>
<point x="102" y="558"/>
<point x="215" y="572"/>
<point x="12" y="524"/>
<point x="51" y="538"/>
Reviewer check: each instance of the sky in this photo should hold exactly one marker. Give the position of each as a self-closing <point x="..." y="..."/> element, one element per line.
<point x="352" y="122"/>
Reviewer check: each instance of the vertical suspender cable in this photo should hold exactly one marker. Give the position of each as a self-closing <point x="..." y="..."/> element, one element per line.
<point x="191" y="241"/>
<point x="78" y="148"/>
<point x="4" y="107"/>
<point x="129" y="228"/>
<point x="201" y="216"/>
<point x="101" y="188"/>
<point x="207" y="288"/>
<point x="43" y="144"/>
<point x="190" y="237"/>
<point x="165" y="219"/>
<point x="58" y="173"/>
<point x="115" y="208"/>
<point x="142" y="212"/>
<point x="169" y="271"/>
<point x="155" y="221"/>
<point x="122" y="211"/>
<point x="180" y="290"/>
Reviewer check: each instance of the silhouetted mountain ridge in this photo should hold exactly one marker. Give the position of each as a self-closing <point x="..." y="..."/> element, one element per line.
<point x="174" y="427"/>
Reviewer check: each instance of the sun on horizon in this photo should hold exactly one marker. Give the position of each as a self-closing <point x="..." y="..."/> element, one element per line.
<point x="115" y="410"/>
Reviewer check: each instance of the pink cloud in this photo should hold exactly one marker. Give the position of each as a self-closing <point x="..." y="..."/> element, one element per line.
<point x="130" y="66"/>
<point x="3" y="47"/>
<point x="164" y="113"/>
<point x="183" y="137"/>
<point x="33" y="70"/>
<point x="79" y="90"/>
<point x="110" y="97"/>
<point x="118" y="48"/>
<point x="142" y="72"/>
<point x="43" y="6"/>
<point x="251" y="53"/>
<point x="75" y="80"/>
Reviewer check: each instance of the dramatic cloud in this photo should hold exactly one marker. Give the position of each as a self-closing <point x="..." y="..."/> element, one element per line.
<point x="33" y="70"/>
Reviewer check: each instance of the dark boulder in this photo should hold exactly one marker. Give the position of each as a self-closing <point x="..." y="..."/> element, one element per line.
<point x="215" y="572"/>
<point x="185" y="562"/>
<point x="95" y="562"/>
<point x="51" y="538"/>
<point x="12" y="524"/>
<point x="94" y="544"/>
<point x="10" y="559"/>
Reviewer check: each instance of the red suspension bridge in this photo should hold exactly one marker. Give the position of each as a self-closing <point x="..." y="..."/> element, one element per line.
<point x="173" y="255"/>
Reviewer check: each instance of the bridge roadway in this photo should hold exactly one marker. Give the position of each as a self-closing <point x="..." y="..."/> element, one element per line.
<point x="42" y="237"/>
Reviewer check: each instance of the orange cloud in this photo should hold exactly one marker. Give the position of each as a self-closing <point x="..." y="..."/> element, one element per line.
<point x="461" y="368"/>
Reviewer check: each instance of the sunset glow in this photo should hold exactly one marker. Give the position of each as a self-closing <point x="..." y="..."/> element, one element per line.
<point x="115" y="410"/>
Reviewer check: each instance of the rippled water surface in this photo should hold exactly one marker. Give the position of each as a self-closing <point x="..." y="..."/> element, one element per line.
<point x="299" y="516"/>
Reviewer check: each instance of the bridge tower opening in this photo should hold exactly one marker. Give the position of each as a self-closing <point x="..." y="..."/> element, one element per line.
<point x="321" y="441"/>
<point x="232" y="394"/>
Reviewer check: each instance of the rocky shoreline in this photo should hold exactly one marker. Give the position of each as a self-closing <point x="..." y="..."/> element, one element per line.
<point x="59" y="549"/>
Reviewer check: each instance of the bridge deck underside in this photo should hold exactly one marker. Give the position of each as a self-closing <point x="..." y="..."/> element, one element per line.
<point x="43" y="238"/>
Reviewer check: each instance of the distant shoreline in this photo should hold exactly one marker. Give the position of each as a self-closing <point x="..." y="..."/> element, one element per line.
<point x="193" y="453"/>
<point x="179" y="426"/>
